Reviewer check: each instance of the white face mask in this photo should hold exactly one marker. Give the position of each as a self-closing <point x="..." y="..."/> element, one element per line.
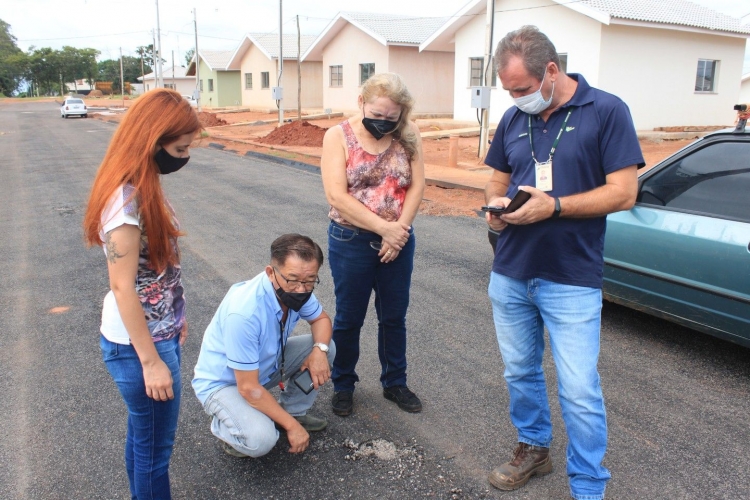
<point x="534" y="103"/>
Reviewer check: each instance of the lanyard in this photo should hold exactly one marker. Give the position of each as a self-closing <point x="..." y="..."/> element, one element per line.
<point x="557" y="139"/>
<point x="282" y="347"/>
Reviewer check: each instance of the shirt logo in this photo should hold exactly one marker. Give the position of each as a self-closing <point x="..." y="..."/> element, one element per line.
<point x="569" y="129"/>
<point x="523" y="135"/>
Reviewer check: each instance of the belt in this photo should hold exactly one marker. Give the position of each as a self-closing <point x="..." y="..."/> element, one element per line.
<point x="353" y="228"/>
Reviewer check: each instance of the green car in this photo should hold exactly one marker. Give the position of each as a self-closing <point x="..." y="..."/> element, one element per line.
<point x="683" y="252"/>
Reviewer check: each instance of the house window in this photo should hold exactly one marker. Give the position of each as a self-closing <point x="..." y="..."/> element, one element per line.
<point x="366" y="71"/>
<point x="563" y="62"/>
<point x="210" y="84"/>
<point x="476" y="69"/>
<point x="705" y="79"/>
<point x="248" y="80"/>
<point x="170" y="86"/>
<point x="337" y="76"/>
<point x="201" y="85"/>
<point x="265" y="80"/>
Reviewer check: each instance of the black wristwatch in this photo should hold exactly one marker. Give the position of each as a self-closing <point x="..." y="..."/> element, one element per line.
<point x="556" y="213"/>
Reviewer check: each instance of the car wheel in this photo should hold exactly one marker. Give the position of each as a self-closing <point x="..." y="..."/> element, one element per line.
<point x="62" y="115"/>
<point x="85" y="116"/>
<point x="65" y="116"/>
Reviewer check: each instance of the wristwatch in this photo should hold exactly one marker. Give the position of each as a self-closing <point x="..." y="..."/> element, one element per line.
<point x="557" y="211"/>
<point x="320" y="345"/>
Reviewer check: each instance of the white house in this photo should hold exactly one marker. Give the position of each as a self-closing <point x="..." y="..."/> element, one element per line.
<point x="673" y="62"/>
<point x="176" y="80"/>
<point x="745" y="90"/>
<point x="356" y="45"/>
<point x="257" y="56"/>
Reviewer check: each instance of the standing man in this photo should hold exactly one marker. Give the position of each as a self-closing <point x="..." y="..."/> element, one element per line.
<point x="247" y="351"/>
<point x="575" y="150"/>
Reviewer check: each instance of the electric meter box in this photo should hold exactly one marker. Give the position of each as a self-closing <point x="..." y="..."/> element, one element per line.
<point x="277" y="93"/>
<point x="480" y="97"/>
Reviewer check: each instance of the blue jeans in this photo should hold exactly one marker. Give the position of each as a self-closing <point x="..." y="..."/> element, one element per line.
<point x="572" y="315"/>
<point x="151" y="424"/>
<point x="357" y="271"/>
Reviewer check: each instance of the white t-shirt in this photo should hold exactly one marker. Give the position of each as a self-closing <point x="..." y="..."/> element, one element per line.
<point x="115" y="215"/>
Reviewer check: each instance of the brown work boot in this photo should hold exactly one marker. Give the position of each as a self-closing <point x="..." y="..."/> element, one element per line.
<point x="527" y="461"/>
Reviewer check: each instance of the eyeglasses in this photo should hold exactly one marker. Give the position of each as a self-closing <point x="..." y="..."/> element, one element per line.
<point x="376" y="245"/>
<point x="307" y="285"/>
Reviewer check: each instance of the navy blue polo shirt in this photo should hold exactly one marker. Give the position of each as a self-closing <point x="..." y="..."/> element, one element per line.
<point x="599" y="139"/>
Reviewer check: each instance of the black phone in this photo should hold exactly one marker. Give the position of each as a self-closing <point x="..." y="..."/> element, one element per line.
<point x="517" y="202"/>
<point x="303" y="380"/>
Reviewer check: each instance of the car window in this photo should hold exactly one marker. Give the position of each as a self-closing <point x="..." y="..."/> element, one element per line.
<point x="714" y="180"/>
<point x="75" y="101"/>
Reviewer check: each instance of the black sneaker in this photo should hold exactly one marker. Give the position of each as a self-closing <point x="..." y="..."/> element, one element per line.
<point x="403" y="397"/>
<point x="342" y="403"/>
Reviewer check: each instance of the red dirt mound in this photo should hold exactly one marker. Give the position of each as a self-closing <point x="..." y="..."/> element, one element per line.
<point x="210" y="119"/>
<point x="297" y="133"/>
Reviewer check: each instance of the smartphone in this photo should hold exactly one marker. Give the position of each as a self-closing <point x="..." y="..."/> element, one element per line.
<point x="303" y="380"/>
<point x="517" y="202"/>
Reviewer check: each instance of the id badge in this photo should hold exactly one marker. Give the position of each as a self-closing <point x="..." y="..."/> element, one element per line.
<point x="544" y="176"/>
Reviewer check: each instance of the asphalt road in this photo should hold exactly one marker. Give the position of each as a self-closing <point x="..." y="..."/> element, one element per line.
<point x="678" y="402"/>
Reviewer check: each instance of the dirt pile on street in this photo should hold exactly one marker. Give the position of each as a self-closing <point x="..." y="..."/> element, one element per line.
<point x="297" y="133"/>
<point x="210" y="119"/>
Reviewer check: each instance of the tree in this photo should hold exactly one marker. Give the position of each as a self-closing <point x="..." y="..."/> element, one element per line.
<point x="44" y="70"/>
<point x="189" y="56"/>
<point x="148" y="55"/>
<point x="89" y="68"/>
<point x="12" y="62"/>
<point x="109" y="71"/>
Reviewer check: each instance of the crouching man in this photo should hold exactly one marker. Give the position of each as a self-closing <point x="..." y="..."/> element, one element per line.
<point x="247" y="350"/>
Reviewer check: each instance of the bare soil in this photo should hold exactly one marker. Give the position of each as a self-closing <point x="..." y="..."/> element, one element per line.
<point x="302" y="140"/>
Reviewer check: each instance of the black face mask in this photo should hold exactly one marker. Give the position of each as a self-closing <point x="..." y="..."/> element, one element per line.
<point x="293" y="300"/>
<point x="378" y="128"/>
<point x="168" y="163"/>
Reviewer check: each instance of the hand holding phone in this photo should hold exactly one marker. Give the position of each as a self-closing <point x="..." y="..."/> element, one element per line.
<point x="517" y="202"/>
<point x="303" y="380"/>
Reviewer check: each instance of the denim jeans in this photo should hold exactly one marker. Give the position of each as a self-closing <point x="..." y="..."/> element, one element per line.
<point x="151" y="424"/>
<point x="251" y="431"/>
<point x="572" y="314"/>
<point x="357" y="271"/>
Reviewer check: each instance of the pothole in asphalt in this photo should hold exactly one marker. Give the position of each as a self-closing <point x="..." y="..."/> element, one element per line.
<point x="378" y="448"/>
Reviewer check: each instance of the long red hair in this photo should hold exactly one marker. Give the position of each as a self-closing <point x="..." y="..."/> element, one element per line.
<point x="156" y="118"/>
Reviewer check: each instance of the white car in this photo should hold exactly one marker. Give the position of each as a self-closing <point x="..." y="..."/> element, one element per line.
<point x="193" y="102"/>
<point x="73" y="106"/>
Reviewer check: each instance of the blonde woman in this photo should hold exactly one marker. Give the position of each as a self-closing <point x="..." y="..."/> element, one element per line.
<point x="373" y="176"/>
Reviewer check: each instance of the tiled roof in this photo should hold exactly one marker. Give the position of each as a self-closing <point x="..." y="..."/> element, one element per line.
<point x="395" y="28"/>
<point x="270" y="43"/>
<point x="676" y="12"/>
<point x="217" y="59"/>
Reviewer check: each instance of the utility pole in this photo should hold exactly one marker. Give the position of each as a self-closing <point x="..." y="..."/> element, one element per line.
<point x="197" y="65"/>
<point x="484" y="127"/>
<point x="158" y="38"/>
<point x="174" y="85"/>
<point x="143" y="75"/>
<point x="122" y="80"/>
<point x="299" y="74"/>
<point x="281" y="67"/>
<point x="153" y="57"/>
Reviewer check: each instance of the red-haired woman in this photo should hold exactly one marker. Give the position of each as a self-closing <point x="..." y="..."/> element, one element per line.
<point x="143" y="317"/>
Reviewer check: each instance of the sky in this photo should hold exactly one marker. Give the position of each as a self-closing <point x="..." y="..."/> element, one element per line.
<point x="111" y="25"/>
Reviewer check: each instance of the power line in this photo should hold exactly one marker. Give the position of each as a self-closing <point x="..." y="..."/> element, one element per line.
<point x="77" y="37"/>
